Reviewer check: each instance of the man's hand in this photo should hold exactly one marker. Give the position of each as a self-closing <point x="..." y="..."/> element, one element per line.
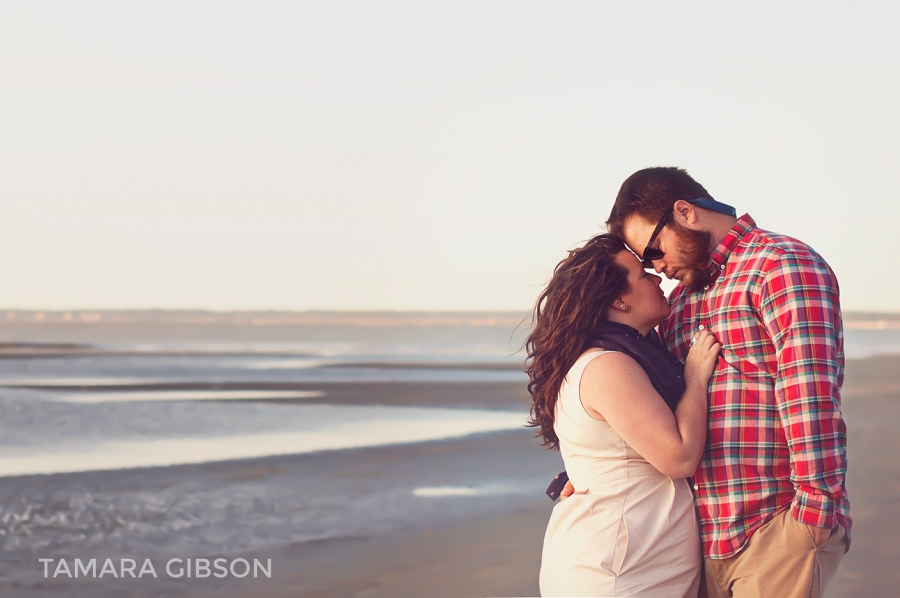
<point x="819" y="535"/>
<point x="568" y="491"/>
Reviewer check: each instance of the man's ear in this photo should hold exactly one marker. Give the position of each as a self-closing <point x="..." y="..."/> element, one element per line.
<point x="685" y="212"/>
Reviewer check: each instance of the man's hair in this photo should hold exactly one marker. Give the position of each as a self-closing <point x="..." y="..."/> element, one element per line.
<point x="649" y="192"/>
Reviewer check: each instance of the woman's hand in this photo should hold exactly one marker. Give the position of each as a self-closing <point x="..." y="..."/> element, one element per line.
<point x="701" y="359"/>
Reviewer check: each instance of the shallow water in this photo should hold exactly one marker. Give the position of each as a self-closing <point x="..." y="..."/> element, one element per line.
<point x="251" y="432"/>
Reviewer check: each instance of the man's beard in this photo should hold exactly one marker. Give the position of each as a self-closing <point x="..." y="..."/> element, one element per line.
<point x="694" y="248"/>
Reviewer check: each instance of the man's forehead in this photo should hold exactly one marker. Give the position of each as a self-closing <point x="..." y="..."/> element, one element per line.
<point x="637" y="232"/>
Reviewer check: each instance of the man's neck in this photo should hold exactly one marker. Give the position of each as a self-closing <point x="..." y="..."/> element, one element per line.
<point x="719" y="226"/>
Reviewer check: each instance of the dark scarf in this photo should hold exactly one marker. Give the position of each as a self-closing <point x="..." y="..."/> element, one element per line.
<point x="665" y="371"/>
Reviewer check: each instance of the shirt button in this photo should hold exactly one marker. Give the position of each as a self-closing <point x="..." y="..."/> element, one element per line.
<point x="722" y="267"/>
<point x="706" y="288"/>
<point x="696" y="487"/>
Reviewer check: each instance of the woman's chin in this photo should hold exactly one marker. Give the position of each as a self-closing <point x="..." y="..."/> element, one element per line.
<point x="660" y="320"/>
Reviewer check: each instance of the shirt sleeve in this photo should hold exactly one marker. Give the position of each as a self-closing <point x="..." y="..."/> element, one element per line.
<point x="800" y="308"/>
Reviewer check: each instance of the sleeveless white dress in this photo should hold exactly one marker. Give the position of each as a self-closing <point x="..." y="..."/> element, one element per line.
<point x="629" y="530"/>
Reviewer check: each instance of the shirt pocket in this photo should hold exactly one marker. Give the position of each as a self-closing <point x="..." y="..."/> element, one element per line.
<point x="746" y="346"/>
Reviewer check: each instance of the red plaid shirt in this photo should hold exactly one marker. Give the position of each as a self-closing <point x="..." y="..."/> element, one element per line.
<point x="776" y="436"/>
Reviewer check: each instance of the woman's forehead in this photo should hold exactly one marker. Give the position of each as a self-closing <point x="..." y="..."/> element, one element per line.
<point x="629" y="260"/>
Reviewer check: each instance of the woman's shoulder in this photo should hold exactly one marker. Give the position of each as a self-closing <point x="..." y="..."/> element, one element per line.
<point x="605" y="377"/>
<point x="611" y="367"/>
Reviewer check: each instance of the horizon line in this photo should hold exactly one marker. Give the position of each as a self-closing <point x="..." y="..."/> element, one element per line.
<point x="377" y="317"/>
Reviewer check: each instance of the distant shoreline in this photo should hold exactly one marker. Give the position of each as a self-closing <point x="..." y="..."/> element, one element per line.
<point x="268" y="317"/>
<point x="375" y="318"/>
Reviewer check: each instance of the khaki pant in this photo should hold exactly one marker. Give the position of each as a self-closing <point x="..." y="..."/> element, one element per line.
<point x="780" y="560"/>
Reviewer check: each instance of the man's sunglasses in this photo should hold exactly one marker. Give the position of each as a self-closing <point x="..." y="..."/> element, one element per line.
<point x="653" y="253"/>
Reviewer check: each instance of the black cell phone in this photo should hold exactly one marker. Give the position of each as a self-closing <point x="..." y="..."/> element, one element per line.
<point x="557" y="485"/>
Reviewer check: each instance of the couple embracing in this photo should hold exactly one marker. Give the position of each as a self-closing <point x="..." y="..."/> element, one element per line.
<point x="710" y="461"/>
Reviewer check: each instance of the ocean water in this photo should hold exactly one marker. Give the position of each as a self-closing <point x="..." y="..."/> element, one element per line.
<point x="207" y="433"/>
<point x="120" y="396"/>
<point x="864" y="343"/>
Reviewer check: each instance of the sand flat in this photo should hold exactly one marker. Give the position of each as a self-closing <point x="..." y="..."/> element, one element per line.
<point x="500" y="555"/>
<point x="495" y="553"/>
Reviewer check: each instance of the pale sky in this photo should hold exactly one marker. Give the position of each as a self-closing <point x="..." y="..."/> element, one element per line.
<point x="422" y="155"/>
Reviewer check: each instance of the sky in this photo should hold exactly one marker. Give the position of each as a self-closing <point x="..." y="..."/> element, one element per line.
<point x="422" y="155"/>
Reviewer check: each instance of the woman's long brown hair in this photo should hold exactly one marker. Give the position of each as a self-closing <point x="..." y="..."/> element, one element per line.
<point x="566" y="315"/>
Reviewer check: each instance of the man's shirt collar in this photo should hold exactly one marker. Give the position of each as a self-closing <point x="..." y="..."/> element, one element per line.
<point x="723" y="251"/>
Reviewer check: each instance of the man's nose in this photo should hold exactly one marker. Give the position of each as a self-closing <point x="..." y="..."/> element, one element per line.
<point x="659" y="266"/>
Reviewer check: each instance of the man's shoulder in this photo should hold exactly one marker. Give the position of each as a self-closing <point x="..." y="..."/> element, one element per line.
<point x="767" y="249"/>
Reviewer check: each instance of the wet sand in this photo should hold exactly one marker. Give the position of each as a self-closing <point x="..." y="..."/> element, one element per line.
<point x="498" y="553"/>
<point x="871" y="406"/>
<point x="485" y="556"/>
<point x="468" y="395"/>
<point x="469" y="545"/>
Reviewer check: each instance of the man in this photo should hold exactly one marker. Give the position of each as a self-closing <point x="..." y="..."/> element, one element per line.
<point x="773" y="510"/>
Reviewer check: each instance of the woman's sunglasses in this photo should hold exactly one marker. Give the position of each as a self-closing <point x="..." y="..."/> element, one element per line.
<point x="654" y="253"/>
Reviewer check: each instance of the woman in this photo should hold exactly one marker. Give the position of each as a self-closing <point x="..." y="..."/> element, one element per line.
<point x="629" y="423"/>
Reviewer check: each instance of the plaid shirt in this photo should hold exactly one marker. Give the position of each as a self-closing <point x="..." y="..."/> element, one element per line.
<point x="776" y="436"/>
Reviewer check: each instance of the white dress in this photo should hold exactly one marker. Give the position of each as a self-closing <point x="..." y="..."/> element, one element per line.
<point x="629" y="530"/>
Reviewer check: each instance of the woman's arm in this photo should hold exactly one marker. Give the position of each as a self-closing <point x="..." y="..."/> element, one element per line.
<point x="616" y="389"/>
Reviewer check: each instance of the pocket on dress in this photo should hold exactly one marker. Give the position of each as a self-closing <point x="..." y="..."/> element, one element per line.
<point x="621" y="547"/>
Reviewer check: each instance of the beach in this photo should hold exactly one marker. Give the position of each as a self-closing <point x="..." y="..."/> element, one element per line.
<point x="452" y="510"/>
<point x="455" y="548"/>
<point x="499" y="555"/>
